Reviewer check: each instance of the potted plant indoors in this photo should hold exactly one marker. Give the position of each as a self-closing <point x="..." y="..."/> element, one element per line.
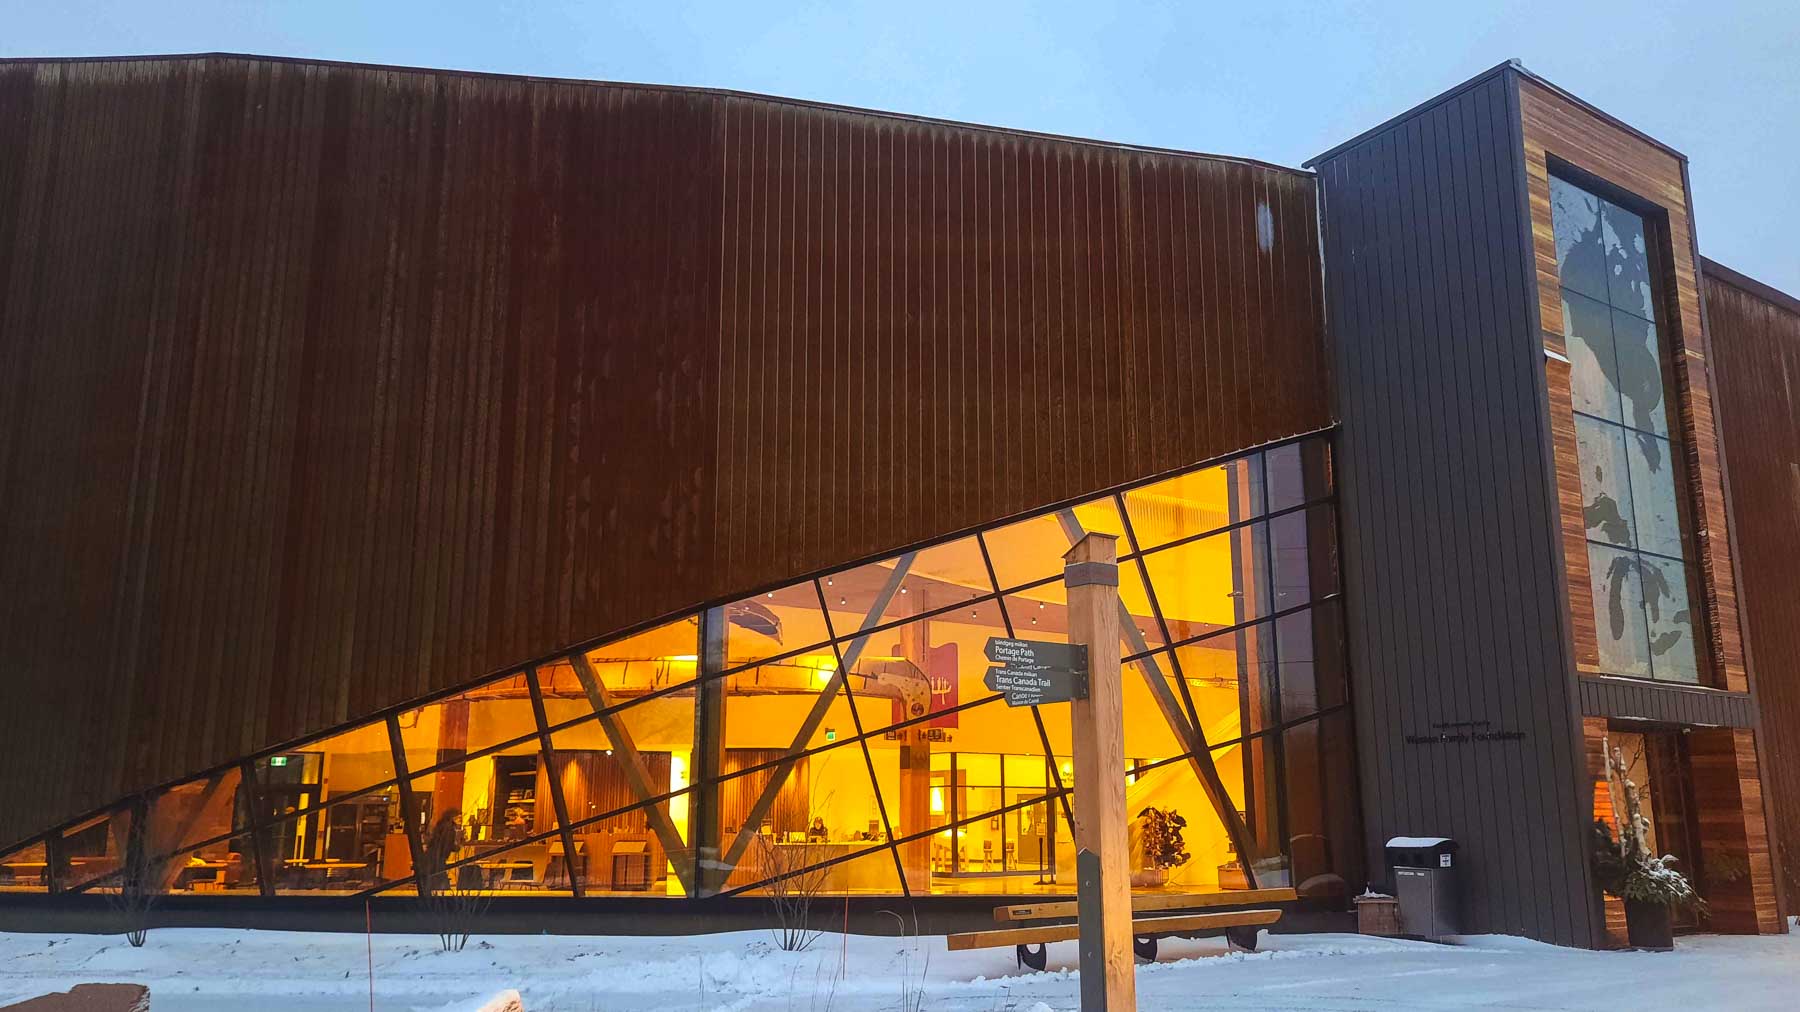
<point x="1626" y="868"/>
<point x="1163" y="846"/>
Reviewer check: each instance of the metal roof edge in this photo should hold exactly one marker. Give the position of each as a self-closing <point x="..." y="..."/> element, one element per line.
<point x="1710" y="268"/>
<point x="681" y="89"/>
<point x="1432" y="102"/>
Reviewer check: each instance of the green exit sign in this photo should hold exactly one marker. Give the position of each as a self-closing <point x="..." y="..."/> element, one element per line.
<point x="831" y="734"/>
<point x="278" y="760"/>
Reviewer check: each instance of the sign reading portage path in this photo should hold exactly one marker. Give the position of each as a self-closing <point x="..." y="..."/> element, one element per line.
<point x="1030" y="672"/>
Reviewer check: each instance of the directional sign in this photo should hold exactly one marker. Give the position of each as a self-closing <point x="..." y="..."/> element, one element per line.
<point x="1030" y="672"/>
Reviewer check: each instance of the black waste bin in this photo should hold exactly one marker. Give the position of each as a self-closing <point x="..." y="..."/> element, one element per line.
<point x="1424" y="875"/>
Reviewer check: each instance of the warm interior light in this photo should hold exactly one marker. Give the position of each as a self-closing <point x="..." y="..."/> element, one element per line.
<point x="937" y="801"/>
<point x="823" y="666"/>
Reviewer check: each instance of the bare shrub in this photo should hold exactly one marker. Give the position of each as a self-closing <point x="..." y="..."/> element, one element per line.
<point x="453" y="899"/>
<point x="139" y="882"/>
<point x="792" y="895"/>
<point x="454" y="914"/>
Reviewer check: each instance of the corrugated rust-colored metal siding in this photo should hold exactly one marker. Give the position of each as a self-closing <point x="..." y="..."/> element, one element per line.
<point x="324" y="387"/>
<point x="1756" y="365"/>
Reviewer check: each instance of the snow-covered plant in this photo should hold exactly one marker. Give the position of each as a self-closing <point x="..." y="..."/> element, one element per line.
<point x="1624" y="863"/>
<point x="1163" y="845"/>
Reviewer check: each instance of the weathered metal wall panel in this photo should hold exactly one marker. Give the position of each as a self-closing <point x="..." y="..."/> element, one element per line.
<point x="323" y="387"/>
<point x="1755" y="344"/>
<point x="1642" y="699"/>
<point x="925" y="327"/>
<point x="1451" y="570"/>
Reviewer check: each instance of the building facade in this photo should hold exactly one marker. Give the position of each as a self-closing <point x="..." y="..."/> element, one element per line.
<point x="600" y="496"/>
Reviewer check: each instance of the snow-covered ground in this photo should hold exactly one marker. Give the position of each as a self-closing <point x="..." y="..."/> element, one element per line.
<point x="213" y="970"/>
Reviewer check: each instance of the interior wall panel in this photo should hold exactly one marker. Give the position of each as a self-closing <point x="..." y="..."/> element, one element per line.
<point x="324" y="387"/>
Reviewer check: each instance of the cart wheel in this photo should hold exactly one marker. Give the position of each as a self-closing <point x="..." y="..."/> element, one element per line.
<point x="1036" y="960"/>
<point x="1241" y="938"/>
<point x="1145" y="948"/>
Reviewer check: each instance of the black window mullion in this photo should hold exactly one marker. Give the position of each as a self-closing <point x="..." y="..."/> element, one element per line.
<point x="248" y="792"/>
<point x="53" y="863"/>
<point x="1037" y="716"/>
<point x="554" y="783"/>
<point x="862" y="739"/>
<point x="409" y="807"/>
<point x="1162" y="625"/>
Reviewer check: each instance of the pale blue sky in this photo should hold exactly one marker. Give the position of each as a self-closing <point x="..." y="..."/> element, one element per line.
<point x="1281" y="81"/>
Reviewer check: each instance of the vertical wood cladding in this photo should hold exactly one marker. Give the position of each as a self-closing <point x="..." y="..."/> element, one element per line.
<point x="323" y="387"/>
<point x="1448" y="509"/>
<point x="1733" y="832"/>
<point x="1556" y="127"/>
<point x="1755" y="335"/>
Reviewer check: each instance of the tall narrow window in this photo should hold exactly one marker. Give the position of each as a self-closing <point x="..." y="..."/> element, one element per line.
<point x="1639" y="554"/>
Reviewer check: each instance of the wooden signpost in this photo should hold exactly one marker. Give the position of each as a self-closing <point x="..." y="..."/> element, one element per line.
<point x="1085" y="673"/>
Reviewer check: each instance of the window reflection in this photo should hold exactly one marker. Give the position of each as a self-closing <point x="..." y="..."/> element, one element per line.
<point x="1640" y="374"/>
<point x="195" y="815"/>
<point x="1637" y="551"/>
<point x="25" y="870"/>
<point x="1605" y="485"/>
<point x="1619" y="610"/>
<point x="1217" y="581"/>
<point x="94" y="849"/>
<point x="1197" y="502"/>
<point x="1593" y="363"/>
<point x="1580" y="247"/>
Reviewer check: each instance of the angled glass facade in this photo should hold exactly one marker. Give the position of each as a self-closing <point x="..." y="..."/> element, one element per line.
<point x="834" y="732"/>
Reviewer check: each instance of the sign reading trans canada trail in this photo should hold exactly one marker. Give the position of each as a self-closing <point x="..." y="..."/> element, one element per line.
<point x="1030" y="672"/>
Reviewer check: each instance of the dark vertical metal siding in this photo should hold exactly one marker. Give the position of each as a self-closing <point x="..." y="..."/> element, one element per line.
<point x="1755" y="341"/>
<point x="1450" y="567"/>
<point x="1640" y="699"/>
<point x="323" y="387"/>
